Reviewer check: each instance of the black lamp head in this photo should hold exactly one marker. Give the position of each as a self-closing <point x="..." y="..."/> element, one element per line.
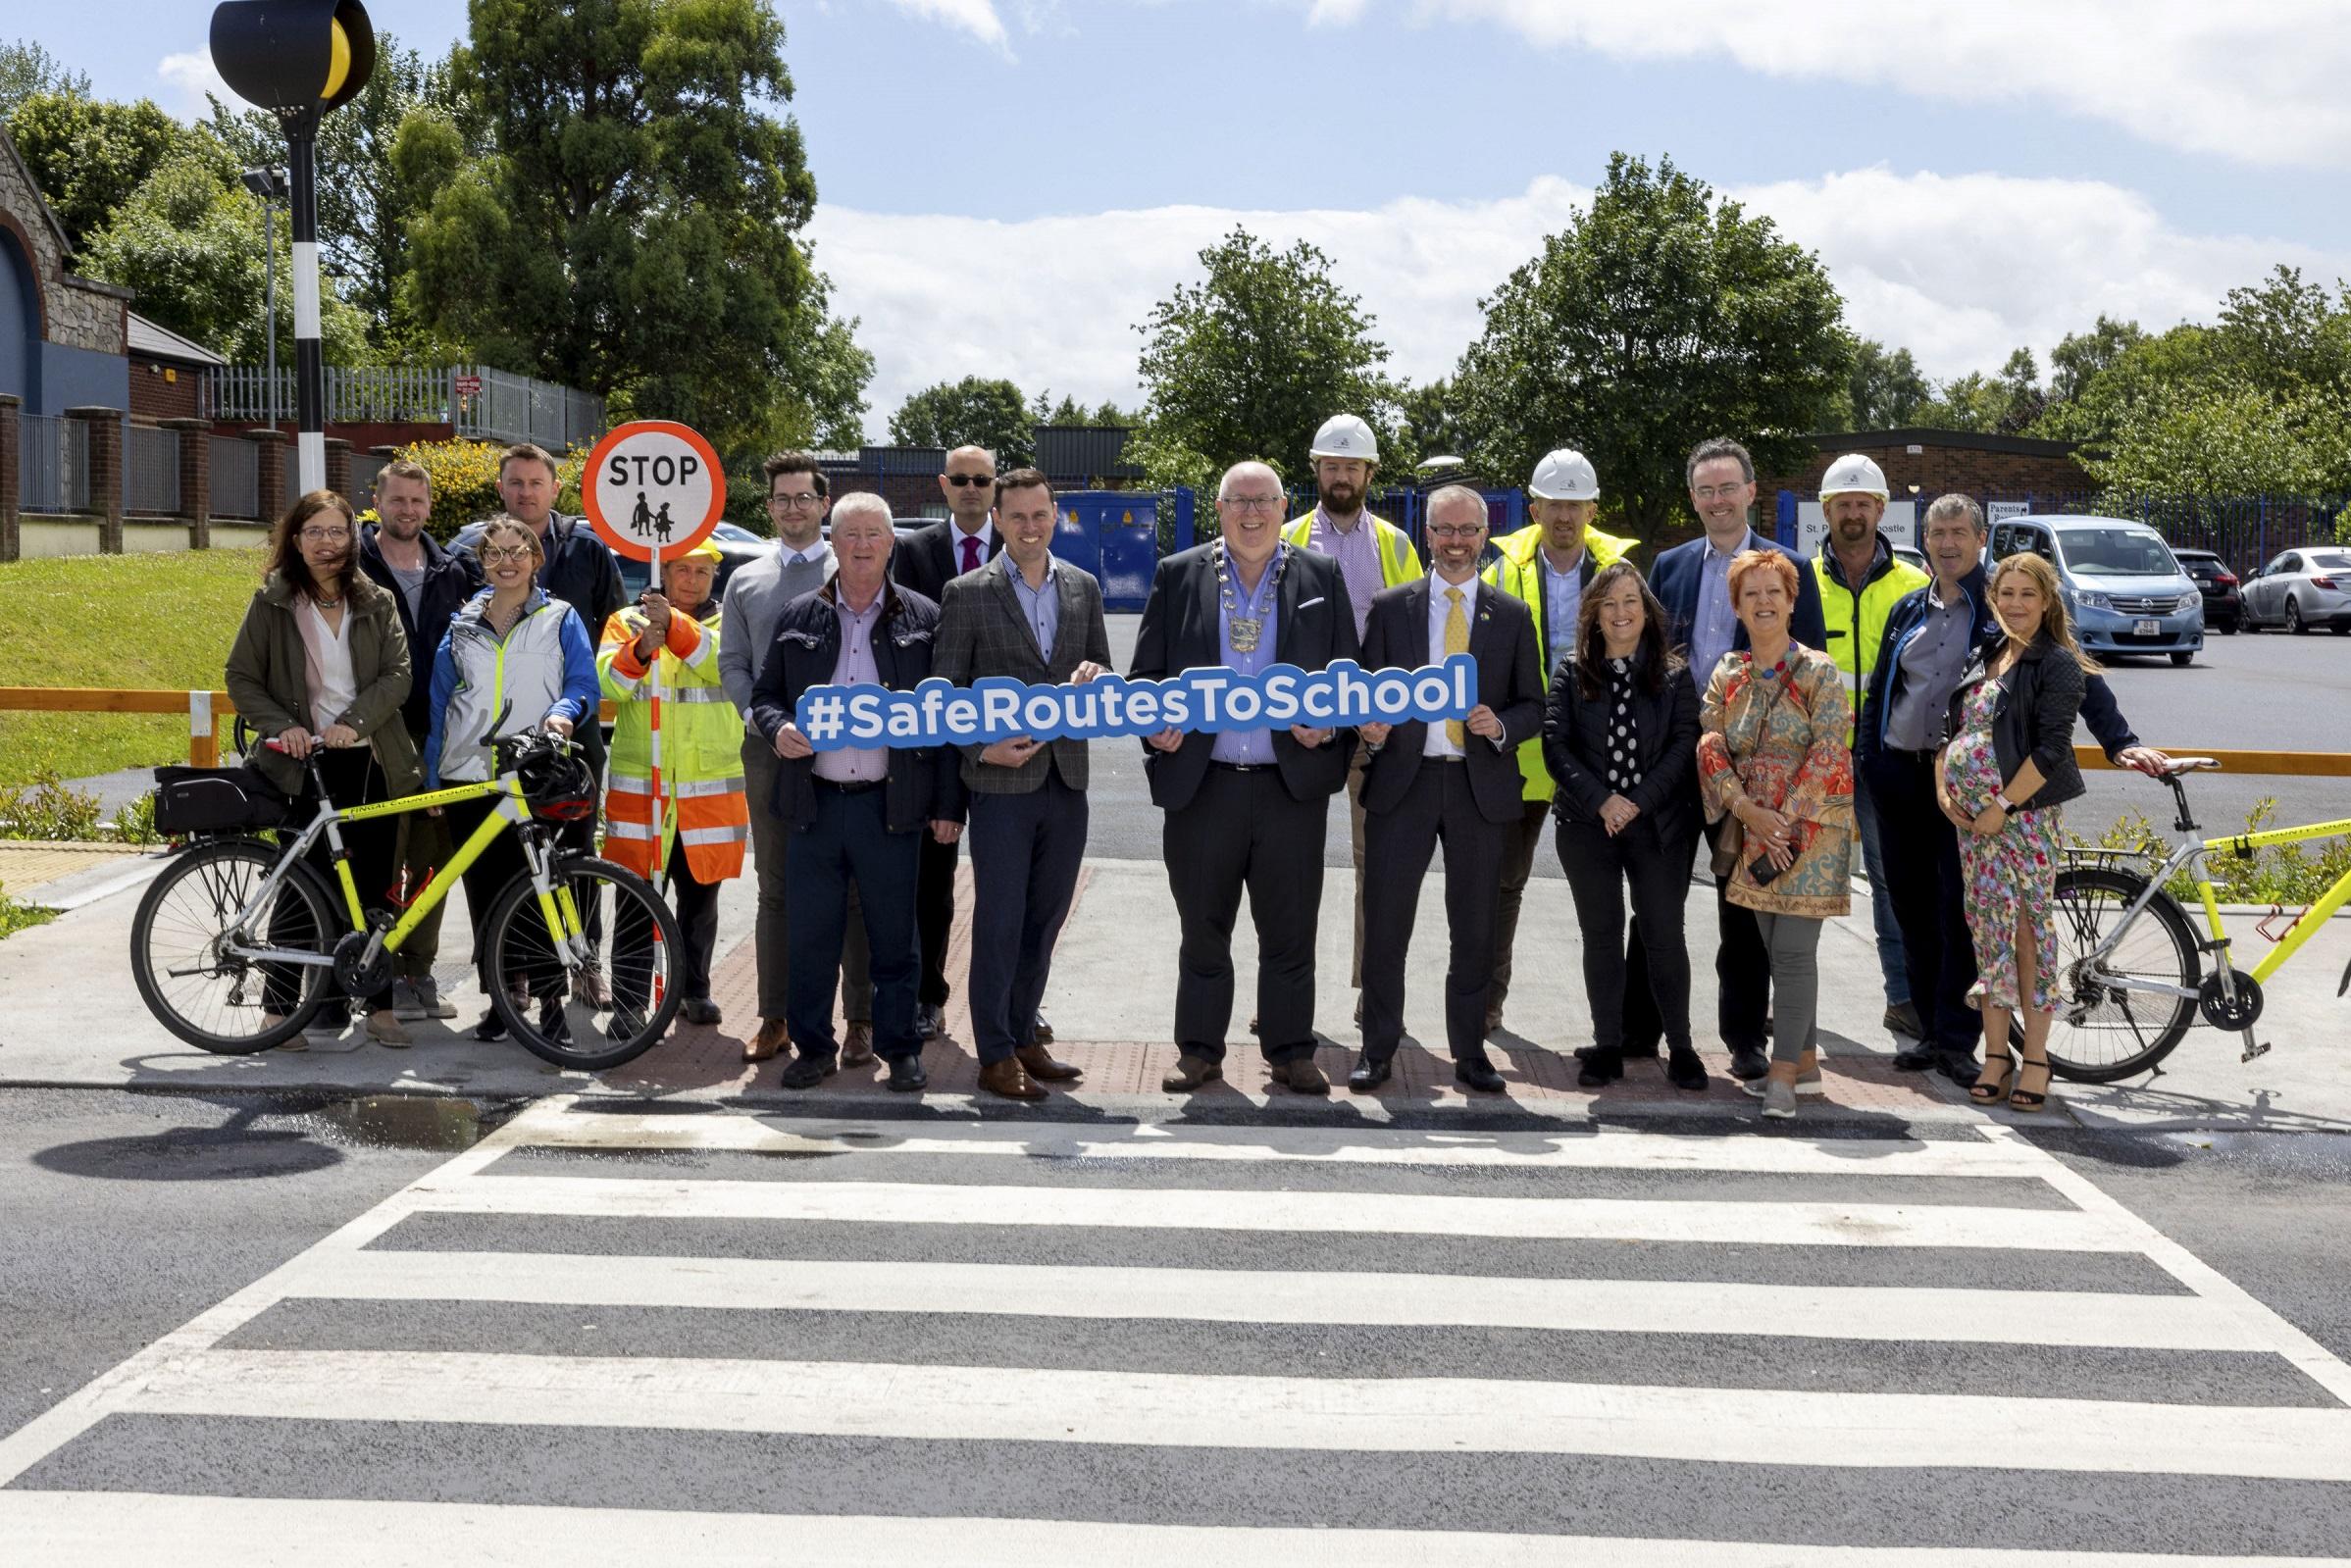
<point x="293" y="54"/>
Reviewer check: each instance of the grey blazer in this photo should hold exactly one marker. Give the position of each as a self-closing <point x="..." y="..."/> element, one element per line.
<point x="982" y="632"/>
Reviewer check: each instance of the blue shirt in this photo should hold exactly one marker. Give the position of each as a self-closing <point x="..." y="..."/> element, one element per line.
<point x="1716" y="627"/>
<point x="1563" y="601"/>
<point x="1040" y="607"/>
<point x="1254" y="746"/>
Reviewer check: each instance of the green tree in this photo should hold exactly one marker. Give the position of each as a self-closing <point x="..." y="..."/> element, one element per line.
<point x="1429" y="425"/>
<point x="27" y="69"/>
<point x="973" y="411"/>
<point x="2080" y="358"/>
<point x="1659" y="316"/>
<point x="189" y="243"/>
<point x="1884" y="391"/>
<point x="1106" y="415"/>
<point x="88" y="155"/>
<point x="635" y="225"/>
<point x="2227" y="438"/>
<point x="1248" y="361"/>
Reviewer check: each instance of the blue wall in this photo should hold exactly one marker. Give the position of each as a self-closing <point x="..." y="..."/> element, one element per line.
<point x="20" y="323"/>
<point x="75" y="377"/>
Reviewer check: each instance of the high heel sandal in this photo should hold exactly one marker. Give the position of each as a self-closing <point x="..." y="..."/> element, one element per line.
<point x="2020" y="1100"/>
<point x="1991" y="1093"/>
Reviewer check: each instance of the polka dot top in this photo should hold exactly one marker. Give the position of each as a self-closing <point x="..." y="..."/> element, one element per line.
<point x="1624" y="733"/>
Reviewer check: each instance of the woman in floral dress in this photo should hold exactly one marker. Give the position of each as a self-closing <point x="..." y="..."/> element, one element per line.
<point x="2007" y="769"/>
<point x="1771" y="752"/>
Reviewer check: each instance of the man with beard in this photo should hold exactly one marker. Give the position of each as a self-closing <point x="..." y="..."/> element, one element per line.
<point x="429" y="585"/>
<point x="1372" y="554"/>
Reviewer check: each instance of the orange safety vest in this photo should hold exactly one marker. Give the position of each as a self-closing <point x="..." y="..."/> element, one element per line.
<point x="701" y="751"/>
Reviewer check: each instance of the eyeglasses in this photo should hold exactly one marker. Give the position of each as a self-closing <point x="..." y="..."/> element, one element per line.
<point x="794" y="503"/>
<point x="1450" y="531"/>
<point x="1708" y="492"/>
<point x="959" y="480"/>
<point x="506" y="552"/>
<point x="326" y="535"/>
<point x="1250" y="503"/>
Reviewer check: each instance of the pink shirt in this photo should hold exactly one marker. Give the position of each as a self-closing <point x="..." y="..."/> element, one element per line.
<point x="855" y="667"/>
<point x="1357" y="552"/>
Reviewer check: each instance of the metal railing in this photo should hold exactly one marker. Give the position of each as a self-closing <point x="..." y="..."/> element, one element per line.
<point x="364" y="467"/>
<point x="151" y="470"/>
<point x="500" y="406"/>
<point x="235" y="466"/>
<point x="54" y="471"/>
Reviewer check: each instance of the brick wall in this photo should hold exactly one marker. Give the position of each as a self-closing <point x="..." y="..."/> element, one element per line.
<point x="1977" y="465"/>
<point x="164" y="389"/>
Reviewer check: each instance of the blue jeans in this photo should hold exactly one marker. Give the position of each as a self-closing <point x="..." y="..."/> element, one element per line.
<point x="1881" y="903"/>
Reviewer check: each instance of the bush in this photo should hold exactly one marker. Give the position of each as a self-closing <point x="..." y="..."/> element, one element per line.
<point x="465" y="481"/>
<point x="51" y="810"/>
<point x="2284" y="875"/>
<point x="17" y="916"/>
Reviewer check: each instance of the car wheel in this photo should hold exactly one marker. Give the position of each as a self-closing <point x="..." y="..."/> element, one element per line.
<point x="2182" y="657"/>
<point x="2293" y="618"/>
<point x="2229" y="629"/>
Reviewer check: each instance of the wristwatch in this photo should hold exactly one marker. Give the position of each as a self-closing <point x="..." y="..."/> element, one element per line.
<point x="2008" y="807"/>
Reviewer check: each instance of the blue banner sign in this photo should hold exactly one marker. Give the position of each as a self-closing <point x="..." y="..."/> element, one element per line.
<point x="1209" y="699"/>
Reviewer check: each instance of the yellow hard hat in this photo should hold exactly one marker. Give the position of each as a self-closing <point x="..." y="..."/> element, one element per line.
<point x="705" y="552"/>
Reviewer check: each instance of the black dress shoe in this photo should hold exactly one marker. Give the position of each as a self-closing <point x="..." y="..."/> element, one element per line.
<point x="1601" y="1068"/>
<point x="806" y="1071"/>
<point x="698" y="1010"/>
<point x="929" y="1022"/>
<point x="1684" y="1071"/>
<point x="1631" y="1052"/>
<point x="1749" y="1062"/>
<point x="1371" y="1072"/>
<point x="906" y="1073"/>
<point x="1961" y="1067"/>
<point x="1479" y="1073"/>
<point x="1917" y="1058"/>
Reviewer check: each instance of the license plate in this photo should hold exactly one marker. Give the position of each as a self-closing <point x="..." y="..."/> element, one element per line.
<point x="2146" y="629"/>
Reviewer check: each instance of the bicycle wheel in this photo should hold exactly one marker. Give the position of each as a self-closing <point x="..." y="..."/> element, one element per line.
<point x="2102" y="1032"/>
<point x="211" y="998"/>
<point x="540" y="986"/>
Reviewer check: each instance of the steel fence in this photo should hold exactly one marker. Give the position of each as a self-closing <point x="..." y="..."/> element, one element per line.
<point x="520" y="408"/>
<point x="473" y="400"/>
<point x="151" y="471"/>
<point x="54" y="470"/>
<point x="235" y="468"/>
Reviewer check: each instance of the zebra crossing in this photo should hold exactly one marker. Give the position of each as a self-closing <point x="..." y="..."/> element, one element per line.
<point x="604" y="1333"/>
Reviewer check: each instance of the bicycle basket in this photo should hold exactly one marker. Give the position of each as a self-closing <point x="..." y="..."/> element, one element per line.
<point x="189" y="801"/>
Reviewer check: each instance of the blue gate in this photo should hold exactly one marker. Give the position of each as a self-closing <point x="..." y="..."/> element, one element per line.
<point x="1115" y="535"/>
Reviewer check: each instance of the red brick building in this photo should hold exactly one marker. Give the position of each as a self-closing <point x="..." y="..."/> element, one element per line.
<point x="1934" y="462"/>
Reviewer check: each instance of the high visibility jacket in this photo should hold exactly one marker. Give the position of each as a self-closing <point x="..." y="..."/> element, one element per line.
<point x="701" y="751"/>
<point x="1856" y="616"/>
<point x="1519" y="573"/>
<point x="1399" y="561"/>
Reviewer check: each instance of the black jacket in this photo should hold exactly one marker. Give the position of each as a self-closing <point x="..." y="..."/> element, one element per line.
<point x="927" y="559"/>
<point x="2040" y="697"/>
<point x="449" y="581"/>
<point x="1575" y="746"/>
<point x="1315" y="626"/>
<point x="923" y="785"/>
<point x="1509" y="681"/>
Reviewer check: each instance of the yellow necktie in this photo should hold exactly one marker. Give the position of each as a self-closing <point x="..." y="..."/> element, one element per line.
<point x="1456" y="640"/>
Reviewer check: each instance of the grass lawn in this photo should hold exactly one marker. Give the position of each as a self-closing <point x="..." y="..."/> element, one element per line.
<point x="141" y="621"/>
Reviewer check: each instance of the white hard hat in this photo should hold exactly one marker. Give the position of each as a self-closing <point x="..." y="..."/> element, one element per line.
<point x="1854" y="475"/>
<point x="1565" y="475"/>
<point x="1345" y="436"/>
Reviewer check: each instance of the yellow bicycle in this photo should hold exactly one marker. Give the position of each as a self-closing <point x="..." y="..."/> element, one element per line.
<point x="2132" y="975"/>
<point x="234" y="943"/>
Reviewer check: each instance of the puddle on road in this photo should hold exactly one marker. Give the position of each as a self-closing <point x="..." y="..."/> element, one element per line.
<point x="406" y="1121"/>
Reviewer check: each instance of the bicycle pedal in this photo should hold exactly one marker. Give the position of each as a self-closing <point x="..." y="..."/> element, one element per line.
<point x="2251" y="1051"/>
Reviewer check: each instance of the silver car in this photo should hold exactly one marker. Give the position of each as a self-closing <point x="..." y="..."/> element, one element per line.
<point x="2123" y="588"/>
<point x="2301" y="589"/>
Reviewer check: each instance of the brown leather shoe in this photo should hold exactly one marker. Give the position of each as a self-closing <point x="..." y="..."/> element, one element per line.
<point x="1190" y="1072"/>
<point x="857" y="1048"/>
<point x="1041" y="1063"/>
<point x="1010" y="1080"/>
<point x="1301" y="1075"/>
<point x="773" y="1036"/>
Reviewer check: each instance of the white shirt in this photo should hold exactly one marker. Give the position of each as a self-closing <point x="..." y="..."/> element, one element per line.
<point x="339" y="688"/>
<point x="1435" y="742"/>
<point x="955" y="537"/>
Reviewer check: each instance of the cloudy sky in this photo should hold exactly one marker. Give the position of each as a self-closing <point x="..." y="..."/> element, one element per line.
<point x="1006" y="185"/>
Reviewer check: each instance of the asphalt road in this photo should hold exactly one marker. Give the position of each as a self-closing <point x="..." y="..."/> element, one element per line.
<point x="780" y="1326"/>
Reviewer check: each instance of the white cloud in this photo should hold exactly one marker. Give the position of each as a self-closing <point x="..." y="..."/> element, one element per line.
<point x="2261" y="81"/>
<point x="187" y="79"/>
<point x="975" y="16"/>
<point x="1957" y="269"/>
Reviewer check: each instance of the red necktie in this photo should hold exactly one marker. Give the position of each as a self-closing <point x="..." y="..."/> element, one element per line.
<point x="971" y="553"/>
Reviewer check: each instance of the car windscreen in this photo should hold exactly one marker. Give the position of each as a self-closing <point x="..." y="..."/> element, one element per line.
<point x="2116" y="553"/>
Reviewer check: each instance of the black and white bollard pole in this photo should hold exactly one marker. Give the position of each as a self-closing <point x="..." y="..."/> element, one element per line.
<point x="310" y="364"/>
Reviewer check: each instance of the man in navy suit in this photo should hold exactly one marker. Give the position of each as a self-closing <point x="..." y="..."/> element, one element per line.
<point x="1693" y="583"/>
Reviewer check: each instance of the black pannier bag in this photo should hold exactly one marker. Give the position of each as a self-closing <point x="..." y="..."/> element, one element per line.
<point x="201" y="800"/>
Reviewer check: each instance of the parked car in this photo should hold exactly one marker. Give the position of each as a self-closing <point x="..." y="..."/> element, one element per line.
<point x="2224" y="601"/>
<point x="2123" y="588"/>
<point x="2301" y="589"/>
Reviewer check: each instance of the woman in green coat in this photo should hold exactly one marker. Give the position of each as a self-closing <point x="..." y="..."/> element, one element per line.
<point x="320" y="665"/>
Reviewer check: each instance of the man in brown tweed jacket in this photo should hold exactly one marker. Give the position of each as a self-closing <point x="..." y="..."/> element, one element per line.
<point x="1028" y="616"/>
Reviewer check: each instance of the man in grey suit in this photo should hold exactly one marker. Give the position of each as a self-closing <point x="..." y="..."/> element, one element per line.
<point x="798" y="499"/>
<point x="1026" y="616"/>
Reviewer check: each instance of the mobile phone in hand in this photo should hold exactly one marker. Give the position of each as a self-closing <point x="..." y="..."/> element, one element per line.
<point x="1762" y="871"/>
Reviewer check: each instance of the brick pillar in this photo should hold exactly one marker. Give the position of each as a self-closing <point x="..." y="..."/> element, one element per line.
<point x="195" y="479"/>
<point x="105" y="427"/>
<point x="339" y="466"/>
<point x="274" y="499"/>
<point x="11" y="435"/>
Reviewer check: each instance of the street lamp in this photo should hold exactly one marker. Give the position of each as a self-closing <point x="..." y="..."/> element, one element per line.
<point x="270" y="185"/>
<point x="298" y="59"/>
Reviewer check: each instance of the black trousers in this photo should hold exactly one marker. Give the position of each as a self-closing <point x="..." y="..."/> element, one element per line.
<point x="1920" y="851"/>
<point x="1025" y="851"/>
<point x="1742" y="974"/>
<point x="352" y="779"/>
<point x="695" y="904"/>
<point x="1398" y="845"/>
<point x="1244" y="833"/>
<point x="1600" y="869"/>
<point x="934" y="914"/>
<point x="848" y="843"/>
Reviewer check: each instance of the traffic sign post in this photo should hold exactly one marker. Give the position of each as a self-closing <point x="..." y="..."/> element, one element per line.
<point x="653" y="487"/>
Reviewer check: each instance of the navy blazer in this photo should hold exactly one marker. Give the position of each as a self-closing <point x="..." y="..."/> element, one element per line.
<point x="1509" y="681"/>
<point x="1674" y="579"/>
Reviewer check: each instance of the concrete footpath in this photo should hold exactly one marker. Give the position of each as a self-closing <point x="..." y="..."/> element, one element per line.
<point x="69" y="1015"/>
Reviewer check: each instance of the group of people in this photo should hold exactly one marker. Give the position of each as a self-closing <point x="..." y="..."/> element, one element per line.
<point x="1783" y="713"/>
